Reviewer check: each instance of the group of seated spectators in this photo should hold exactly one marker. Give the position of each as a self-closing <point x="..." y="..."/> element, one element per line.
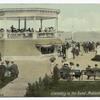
<point x="68" y="72"/>
<point x="92" y="71"/>
<point x="47" y="29"/>
<point x="8" y="69"/>
<point x="13" y="29"/>
<point x="71" y="71"/>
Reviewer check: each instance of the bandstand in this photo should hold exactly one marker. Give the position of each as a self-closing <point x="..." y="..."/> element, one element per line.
<point x="26" y="14"/>
<point x="25" y="41"/>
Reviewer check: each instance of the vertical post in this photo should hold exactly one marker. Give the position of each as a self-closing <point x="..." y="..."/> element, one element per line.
<point x="34" y="20"/>
<point x="41" y="23"/>
<point x="25" y="23"/>
<point x="34" y="27"/>
<point x="56" y="27"/>
<point x="19" y="23"/>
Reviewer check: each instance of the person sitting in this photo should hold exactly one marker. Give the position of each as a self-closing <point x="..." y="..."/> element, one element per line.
<point x="1" y="30"/>
<point x="29" y="29"/>
<point x="14" y="69"/>
<point x="17" y="30"/>
<point x="32" y="29"/>
<point x="7" y="65"/>
<point x="88" y="71"/>
<point x="67" y="70"/>
<point x="40" y="29"/>
<point x="77" y="71"/>
<point x="71" y="65"/>
<point x="95" y="70"/>
<point x="22" y="30"/>
<point x="46" y="30"/>
<point x="96" y="66"/>
<point x="72" y="68"/>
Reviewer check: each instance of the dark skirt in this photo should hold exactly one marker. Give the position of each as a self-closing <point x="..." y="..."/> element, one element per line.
<point x="77" y="74"/>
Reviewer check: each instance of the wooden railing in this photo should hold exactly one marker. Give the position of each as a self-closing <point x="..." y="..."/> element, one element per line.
<point x="46" y="35"/>
<point x="13" y="35"/>
<point x="19" y="35"/>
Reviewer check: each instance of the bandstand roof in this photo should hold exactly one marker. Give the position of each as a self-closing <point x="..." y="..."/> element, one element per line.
<point x="28" y="13"/>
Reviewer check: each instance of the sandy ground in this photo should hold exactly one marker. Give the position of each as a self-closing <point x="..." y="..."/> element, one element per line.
<point x="85" y="60"/>
<point x="31" y="70"/>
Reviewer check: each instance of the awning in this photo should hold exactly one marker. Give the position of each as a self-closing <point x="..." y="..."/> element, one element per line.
<point x="46" y="46"/>
<point x="48" y="41"/>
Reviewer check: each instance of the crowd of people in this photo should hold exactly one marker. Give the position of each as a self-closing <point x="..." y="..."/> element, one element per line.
<point x="8" y="69"/>
<point x="76" y="48"/>
<point x="69" y="69"/>
<point x="88" y="46"/>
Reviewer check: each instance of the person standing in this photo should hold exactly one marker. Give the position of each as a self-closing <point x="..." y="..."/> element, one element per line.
<point x="73" y="52"/>
<point x="2" y="71"/>
<point x="64" y="50"/>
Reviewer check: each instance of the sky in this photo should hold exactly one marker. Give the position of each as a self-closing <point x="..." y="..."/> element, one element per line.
<point x="72" y="17"/>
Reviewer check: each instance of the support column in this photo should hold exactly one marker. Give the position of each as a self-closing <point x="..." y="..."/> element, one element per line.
<point x="56" y="24"/>
<point x="34" y="22"/>
<point x="56" y="27"/>
<point x="34" y="27"/>
<point x="25" y="24"/>
<point x="19" y="23"/>
<point x="41" y="23"/>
